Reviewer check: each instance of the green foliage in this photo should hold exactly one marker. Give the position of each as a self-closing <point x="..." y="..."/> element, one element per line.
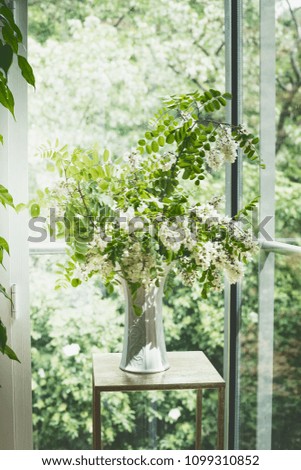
<point x="149" y="46"/>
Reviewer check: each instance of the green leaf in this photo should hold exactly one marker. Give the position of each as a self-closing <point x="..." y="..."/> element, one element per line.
<point x="3" y="292"/>
<point x="11" y="354"/>
<point x="1" y="139"/>
<point x="3" y="336"/>
<point x="4" y="245"/>
<point x="7" y="13"/>
<point x="148" y="136"/>
<point x="170" y="139"/>
<point x="228" y="96"/>
<point x="10" y="38"/>
<point x="214" y="93"/>
<point x="110" y="288"/>
<point x="153" y="271"/>
<point x="155" y="146"/>
<point x="18" y="32"/>
<point x="75" y="282"/>
<point x="35" y="210"/>
<point x="222" y="101"/>
<point x="6" y="96"/>
<point x="5" y="197"/>
<point x="187" y="173"/>
<point x="26" y="70"/>
<point x="141" y="142"/>
<point x="6" y="57"/>
<point x="161" y="141"/>
<point x="216" y="104"/>
<point x="106" y="155"/>
<point x="138" y="310"/>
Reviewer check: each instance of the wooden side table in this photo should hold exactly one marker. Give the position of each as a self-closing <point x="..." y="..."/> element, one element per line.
<point x="188" y="370"/>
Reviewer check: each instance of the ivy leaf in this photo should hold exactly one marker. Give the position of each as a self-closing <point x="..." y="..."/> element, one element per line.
<point x="26" y="70"/>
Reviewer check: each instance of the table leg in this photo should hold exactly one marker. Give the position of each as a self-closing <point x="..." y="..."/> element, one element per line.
<point x="198" y="436"/>
<point x="221" y="418"/>
<point x="96" y="420"/>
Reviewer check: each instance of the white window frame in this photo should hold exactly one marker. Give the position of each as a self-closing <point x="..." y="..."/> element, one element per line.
<point x="15" y="378"/>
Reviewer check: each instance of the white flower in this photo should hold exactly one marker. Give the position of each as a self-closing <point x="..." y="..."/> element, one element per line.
<point x="253" y="317"/>
<point x="141" y="208"/>
<point x="41" y="373"/>
<point x="71" y="349"/>
<point x="234" y="271"/>
<point x="227" y="145"/>
<point x="171" y="238"/>
<point x="174" y="414"/>
<point x="78" y="274"/>
<point x="214" y="159"/>
<point x="125" y="218"/>
<point x="134" y="159"/>
<point x="167" y="161"/>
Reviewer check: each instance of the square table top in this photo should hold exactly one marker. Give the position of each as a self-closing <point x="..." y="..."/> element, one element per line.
<point x="188" y="370"/>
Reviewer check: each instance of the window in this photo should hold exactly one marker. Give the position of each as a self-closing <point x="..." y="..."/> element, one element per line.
<point x="101" y="68"/>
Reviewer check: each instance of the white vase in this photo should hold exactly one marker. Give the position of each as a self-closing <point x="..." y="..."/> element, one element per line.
<point x="144" y="348"/>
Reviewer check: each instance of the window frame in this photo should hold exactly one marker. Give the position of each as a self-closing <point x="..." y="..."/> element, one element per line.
<point x="15" y="392"/>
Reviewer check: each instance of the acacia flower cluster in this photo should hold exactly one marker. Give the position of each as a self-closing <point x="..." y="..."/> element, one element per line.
<point x="133" y="215"/>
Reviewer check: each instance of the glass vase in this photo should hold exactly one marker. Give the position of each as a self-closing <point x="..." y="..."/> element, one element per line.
<point x="144" y="349"/>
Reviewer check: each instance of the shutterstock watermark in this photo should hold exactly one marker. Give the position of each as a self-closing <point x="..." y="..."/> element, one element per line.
<point x="85" y="228"/>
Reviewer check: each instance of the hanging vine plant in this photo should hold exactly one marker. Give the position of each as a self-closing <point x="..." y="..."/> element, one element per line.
<point x="10" y="50"/>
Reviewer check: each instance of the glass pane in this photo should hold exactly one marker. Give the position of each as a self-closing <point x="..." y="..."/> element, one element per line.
<point x="288" y="144"/>
<point x="249" y="311"/>
<point x="101" y="69"/>
<point x="286" y="431"/>
<point x="248" y="361"/>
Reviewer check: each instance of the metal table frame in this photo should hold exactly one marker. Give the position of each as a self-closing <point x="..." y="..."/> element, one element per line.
<point x="188" y="371"/>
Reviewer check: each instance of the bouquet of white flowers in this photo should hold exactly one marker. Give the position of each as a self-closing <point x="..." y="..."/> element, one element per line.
<point x="133" y="216"/>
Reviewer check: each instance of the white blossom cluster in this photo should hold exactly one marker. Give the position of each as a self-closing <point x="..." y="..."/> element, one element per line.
<point x="223" y="151"/>
<point x="170" y="237"/>
<point x="166" y="162"/>
<point x="136" y="265"/>
<point x="134" y="159"/>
